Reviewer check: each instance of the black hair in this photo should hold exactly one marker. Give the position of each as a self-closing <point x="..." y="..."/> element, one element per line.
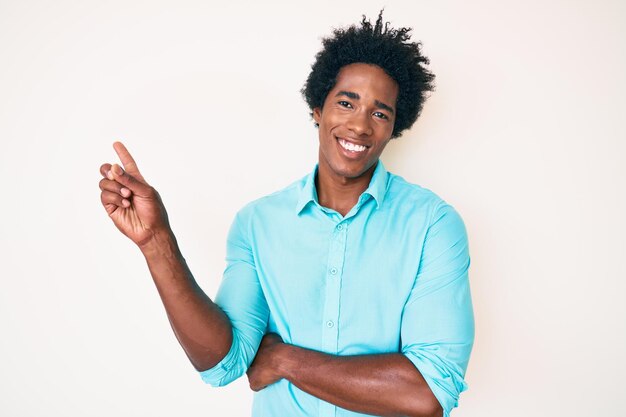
<point x="379" y="45"/>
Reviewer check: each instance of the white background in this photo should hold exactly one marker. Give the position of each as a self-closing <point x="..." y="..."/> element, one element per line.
<point x="524" y="136"/>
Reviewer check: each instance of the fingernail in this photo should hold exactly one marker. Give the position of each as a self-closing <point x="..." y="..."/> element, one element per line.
<point x="125" y="203"/>
<point x="109" y="175"/>
<point x="117" y="169"/>
<point x="125" y="192"/>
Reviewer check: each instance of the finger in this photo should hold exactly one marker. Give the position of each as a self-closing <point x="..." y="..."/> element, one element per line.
<point x="115" y="187"/>
<point x="253" y="386"/>
<point x="110" y="198"/>
<point x="104" y="169"/>
<point x="137" y="187"/>
<point x="127" y="160"/>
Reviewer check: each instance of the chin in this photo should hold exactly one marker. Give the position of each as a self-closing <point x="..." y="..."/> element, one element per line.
<point x="348" y="171"/>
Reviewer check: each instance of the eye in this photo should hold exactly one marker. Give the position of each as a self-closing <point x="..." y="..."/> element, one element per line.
<point x="381" y="115"/>
<point x="344" y="103"/>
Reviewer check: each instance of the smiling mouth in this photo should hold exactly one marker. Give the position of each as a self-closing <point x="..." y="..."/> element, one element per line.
<point x="352" y="147"/>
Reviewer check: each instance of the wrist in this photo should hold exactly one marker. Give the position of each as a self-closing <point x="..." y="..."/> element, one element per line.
<point x="286" y="360"/>
<point x="162" y="244"/>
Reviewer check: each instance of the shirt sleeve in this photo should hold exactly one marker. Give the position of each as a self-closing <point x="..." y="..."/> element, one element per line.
<point x="241" y="297"/>
<point x="438" y="321"/>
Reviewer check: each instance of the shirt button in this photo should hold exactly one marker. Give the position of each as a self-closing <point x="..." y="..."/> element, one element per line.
<point x="330" y="323"/>
<point x="340" y="227"/>
<point x="333" y="271"/>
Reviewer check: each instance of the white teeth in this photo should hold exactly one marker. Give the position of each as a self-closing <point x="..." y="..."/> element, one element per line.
<point x="351" y="146"/>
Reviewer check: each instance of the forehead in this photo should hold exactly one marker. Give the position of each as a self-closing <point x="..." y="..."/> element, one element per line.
<point x="369" y="81"/>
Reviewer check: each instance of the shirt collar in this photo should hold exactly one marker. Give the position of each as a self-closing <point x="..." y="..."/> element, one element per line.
<point x="377" y="187"/>
<point x="308" y="192"/>
<point x="378" y="184"/>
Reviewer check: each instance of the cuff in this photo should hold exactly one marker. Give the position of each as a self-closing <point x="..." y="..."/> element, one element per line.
<point x="445" y="385"/>
<point x="217" y="375"/>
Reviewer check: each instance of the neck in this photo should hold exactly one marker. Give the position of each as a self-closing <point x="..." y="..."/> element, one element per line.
<point x="340" y="193"/>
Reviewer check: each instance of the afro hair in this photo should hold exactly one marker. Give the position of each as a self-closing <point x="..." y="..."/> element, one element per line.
<point x="379" y="45"/>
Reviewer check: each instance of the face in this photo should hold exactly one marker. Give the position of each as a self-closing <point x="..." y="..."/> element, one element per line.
<point x="356" y="121"/>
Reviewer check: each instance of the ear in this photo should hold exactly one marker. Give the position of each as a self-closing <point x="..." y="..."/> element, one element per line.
<point x="317" y="115"/>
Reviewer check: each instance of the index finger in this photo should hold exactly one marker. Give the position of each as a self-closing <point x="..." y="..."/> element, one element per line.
<point x="127" y="160"/>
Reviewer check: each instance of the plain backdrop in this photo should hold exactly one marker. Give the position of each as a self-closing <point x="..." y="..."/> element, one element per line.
<point x="524" y="136"/>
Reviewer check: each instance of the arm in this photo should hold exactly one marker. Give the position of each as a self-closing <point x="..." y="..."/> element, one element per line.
<point x="221" y="338"/>
<point x="438" y="321"/>
<point x="203" y="329"/>
<point x="437" y="333"/>
<point x="385" y="385"/>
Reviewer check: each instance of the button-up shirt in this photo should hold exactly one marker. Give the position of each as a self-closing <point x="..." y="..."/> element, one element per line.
<point x="391" y="276"/>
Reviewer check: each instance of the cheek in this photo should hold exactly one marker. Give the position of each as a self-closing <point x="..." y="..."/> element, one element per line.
<point x="381" y="146"/>
<point x="332" y="117"/>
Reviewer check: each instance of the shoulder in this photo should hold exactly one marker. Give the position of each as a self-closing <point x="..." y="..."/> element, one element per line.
<point x="408" y="197"/>
<point x="441" y="224"/>
<point x="274" y="204"/>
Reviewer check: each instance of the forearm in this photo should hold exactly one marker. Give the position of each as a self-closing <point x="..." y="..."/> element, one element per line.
<point x="201" y="327"/>
<point x="385" y="385"/>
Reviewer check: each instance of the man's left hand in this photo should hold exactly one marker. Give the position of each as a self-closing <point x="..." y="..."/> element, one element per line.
<point x="264" y="369"/>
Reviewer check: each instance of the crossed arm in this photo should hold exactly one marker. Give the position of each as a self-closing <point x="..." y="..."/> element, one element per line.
<point x="385" y="384"/>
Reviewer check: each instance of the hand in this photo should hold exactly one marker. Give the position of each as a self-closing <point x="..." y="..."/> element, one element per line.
<point x="134" y="206"/>
<point x="264" y="368"/>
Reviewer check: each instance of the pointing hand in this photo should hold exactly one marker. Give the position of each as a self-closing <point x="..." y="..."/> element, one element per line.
<point x="134" y="206"/>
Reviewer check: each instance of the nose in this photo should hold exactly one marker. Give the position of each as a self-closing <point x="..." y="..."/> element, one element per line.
<point x="360" y="123"/>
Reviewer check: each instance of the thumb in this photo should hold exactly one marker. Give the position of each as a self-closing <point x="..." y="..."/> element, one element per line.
<point x="138" y="188"/>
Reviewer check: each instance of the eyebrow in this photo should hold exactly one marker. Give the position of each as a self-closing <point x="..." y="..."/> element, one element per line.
<point x="355" y="96"/>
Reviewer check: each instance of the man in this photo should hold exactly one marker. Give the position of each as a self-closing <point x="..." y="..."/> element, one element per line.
<point x="347" y="290"/>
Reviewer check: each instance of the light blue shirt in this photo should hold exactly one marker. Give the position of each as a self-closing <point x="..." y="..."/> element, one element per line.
<point x="389" y="277"/>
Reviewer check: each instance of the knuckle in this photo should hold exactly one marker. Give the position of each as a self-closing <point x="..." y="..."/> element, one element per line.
<point x="104" y="168"/>
<point x="106" y="200"/>
<point x="109" y="197"/>
<point x="124" y="178"/>
<point x="110" y="185"/>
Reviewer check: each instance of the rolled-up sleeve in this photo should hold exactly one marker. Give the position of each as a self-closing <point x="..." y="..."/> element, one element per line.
<point x="438" y="321"/>
<point x="241" y="297"/>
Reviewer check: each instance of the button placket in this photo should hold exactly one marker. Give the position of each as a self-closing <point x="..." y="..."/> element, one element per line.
<point x="333" y="288"/>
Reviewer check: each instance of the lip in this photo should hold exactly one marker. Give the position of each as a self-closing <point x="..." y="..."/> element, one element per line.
<point x="349" y="154"/>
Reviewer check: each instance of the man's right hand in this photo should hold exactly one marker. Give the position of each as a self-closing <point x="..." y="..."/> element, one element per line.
<point x="202" y="328"/>
<point x="134" y="206"/>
